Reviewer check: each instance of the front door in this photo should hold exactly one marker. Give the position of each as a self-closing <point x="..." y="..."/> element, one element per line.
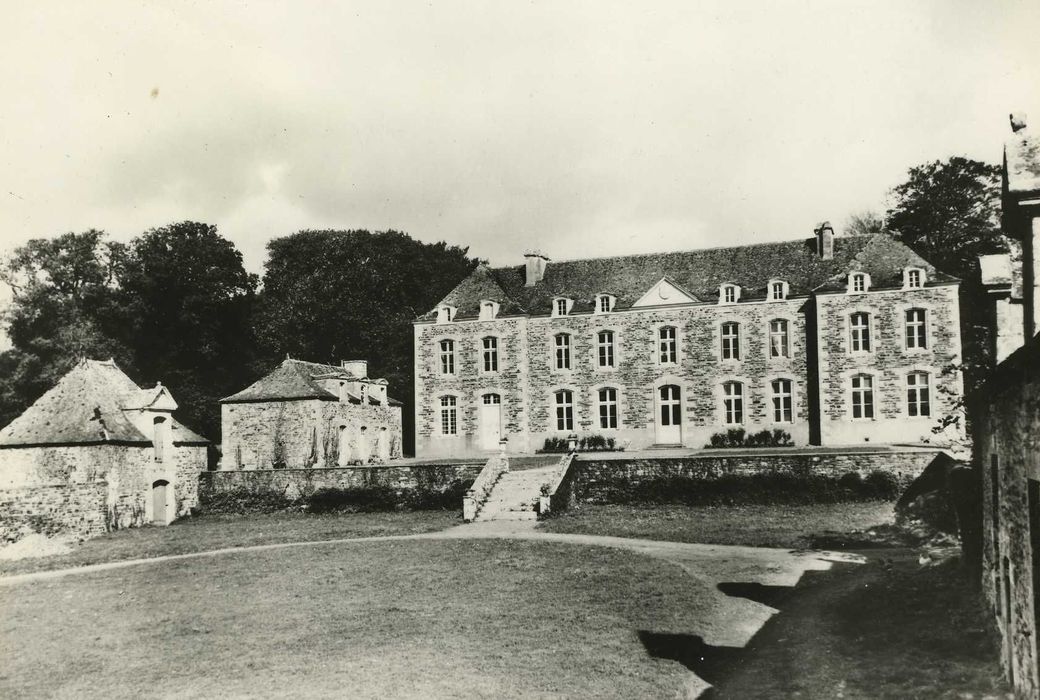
<point x="490" y="421"/>
<point x="159" y="502"/>
<point x="669" y="415"/>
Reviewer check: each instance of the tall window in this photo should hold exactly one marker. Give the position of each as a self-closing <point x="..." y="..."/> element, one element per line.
<point x="563" y="351"/>
<point x="607" y="408"/>
<point x="859" y="323"/>
<point x="859" y="282"/>
<point x="862" y="396"/>
<point x="564" y="400"/>
<point x="918" y="401"/>
<point x="447" y="357"/>
<point x="667" y="354"/>
<point x="449" y="416"/>
<point x="733" y="402"/>
<point x="782" y="404"/>
<point x="779" y="338"/>
<point x="605" y="348"/>
<point x="730" y="341"/>
<point x="489" y="353"/>
<point x="916" y="328"/>
<point x="158" y="438"/>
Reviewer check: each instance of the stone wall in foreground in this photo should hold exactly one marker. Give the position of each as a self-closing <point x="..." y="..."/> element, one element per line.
<point x="79" y="510"/>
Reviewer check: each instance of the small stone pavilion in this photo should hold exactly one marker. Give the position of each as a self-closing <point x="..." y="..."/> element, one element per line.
<point x="97" y="452"/>
<point x="309" y="415"/>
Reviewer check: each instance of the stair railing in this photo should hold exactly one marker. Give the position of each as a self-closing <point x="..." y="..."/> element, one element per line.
<point x="478" y="493"/>
<point x="561" y="491"/>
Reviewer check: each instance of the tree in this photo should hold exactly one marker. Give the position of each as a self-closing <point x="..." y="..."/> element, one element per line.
<point x="864" y="223"/>
<point x="949" y="213"/>
<point x="332" y="295"/>
<point x="185" y="307"/>
<point x="60" y="287"/>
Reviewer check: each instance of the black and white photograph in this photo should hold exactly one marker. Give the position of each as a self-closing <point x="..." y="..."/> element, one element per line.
<point x="520" y="349"/>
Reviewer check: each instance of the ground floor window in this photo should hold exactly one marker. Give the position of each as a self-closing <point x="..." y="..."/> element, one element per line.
<point x="733" y="402"/>
<point x="449" y="416"/>
<point x="782" y="404"/>
<point x="607" y="408"/>
<point x="918" y="401"/>
<point x="862" y="396"/>
<point x="564" y="401"/>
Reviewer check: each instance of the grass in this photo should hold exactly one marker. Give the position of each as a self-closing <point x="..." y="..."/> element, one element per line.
<point x="787" y="526"/>
<point x="432" y="618"/>
<point x="887" y="629"/>
<point x="207" y="532"/>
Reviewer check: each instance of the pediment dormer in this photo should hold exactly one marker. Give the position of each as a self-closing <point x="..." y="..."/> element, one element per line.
<point x="665" y="293"/>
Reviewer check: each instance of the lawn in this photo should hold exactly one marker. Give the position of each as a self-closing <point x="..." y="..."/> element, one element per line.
<point x="787" y="526"/>
<point x="221" y="531"/>
<point x="431" y="618"/>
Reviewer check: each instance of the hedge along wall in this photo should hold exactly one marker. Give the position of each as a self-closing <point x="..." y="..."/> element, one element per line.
<point x="63" y="509"/>
<point x="296" y="485"/>
<point x="720" y="476"/>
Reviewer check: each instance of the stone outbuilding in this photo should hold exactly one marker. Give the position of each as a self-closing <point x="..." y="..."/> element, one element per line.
<point x="310" y="415"/>
<point x="97" y="452"/>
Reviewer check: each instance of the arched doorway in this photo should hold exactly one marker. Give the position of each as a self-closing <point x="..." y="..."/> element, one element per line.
<point x="669" y="415"/>
<point x="159" y="502"/>
<point x="490" y="421"/>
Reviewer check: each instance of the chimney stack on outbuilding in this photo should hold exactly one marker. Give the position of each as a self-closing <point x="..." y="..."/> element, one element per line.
<point x="536" y="264"/>
<point x="355" y="368"/>
<point x="1018" y="122"/>
<point x="825" y="241"/>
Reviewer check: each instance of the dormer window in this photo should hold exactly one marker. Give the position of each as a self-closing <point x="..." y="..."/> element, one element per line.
<point x="859" y="282"/>
<point x="777" y="290"/>
<point x="604" y="303"/>
<point x="446" y="314"/>
<point x="913" y="278"/>
<point x="729" y="294"/>
<point x="561" y="306"/>
<point x="488" y="310"/>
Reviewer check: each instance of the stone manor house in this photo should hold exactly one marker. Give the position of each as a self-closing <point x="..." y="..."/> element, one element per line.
<point x="835" y="340"/>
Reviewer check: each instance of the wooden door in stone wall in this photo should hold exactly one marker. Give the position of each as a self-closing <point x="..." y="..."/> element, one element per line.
<point x="159" y="514"/>
<point x="669" y="415"/>
<point x="490" y="421"/>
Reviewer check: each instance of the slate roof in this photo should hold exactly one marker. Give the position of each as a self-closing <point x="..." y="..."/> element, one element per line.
<point x="698" y="271"/>
<point x="86" y="406"/>
<point x="295" y="380"/>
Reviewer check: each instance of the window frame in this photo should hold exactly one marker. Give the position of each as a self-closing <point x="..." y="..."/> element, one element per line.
<point x="855" y="277"/>
<point x="612" y="349"/>
<point x="448" y="415"/>
<point x="567" y="303"/>
<point x="869" y="329"/>
<point x="872" y="390"/>
<point x="912" y="407"/>
<point x="602" y="404"/>
<point x="451" y="354"/>
<point x="488" y="310"/>
<point x="734" y="342"/>
<point x="496" y="356"/>
<point x="787" y="345"/>
<point x="771" y="290"/>
<point x="567" y="350"/>
<point x="610" y="299"/>
<point x="923" y="325"/>
<point x="567" y="408"/>
<point x="728" y="290"/>
<point x="733" y="402"/>
<point x="659" y="341"/>
<point x="774" y="395"/>
<point x="446" y="313"/>
<point x="908" y="274"/>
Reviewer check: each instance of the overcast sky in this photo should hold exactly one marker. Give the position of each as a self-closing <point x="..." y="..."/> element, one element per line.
<point x="579" y="128"/>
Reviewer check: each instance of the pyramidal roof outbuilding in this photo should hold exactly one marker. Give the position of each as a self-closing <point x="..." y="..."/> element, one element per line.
<point x="296" y="380"/>
<point x="88" y="406"/>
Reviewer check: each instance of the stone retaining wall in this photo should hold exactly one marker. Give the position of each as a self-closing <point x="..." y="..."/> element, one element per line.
<point x="294" y="484"/>
<point x="64" y="509"/>
<point x="593" y="475"/>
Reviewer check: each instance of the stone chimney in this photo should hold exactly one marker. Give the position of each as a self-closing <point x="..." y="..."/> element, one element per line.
<point x="1020" y="213"/>
<point x="536" y="263"/>
<point x="355" y="368"/>
<point x="825" y="241"/>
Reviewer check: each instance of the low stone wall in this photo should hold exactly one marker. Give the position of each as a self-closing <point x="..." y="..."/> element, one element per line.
<point x="65" y="509"/>
<point x="596" y="477"/>
<point x="295" y="484"/>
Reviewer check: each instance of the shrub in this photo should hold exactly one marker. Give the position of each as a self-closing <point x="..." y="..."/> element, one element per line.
<point x="242" y="501"/>
<point x="738" y="437"/>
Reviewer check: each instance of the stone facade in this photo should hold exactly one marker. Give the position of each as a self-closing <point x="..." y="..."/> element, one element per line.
<point x="310" y="415"/>
<point x="80" y="510"/>
<point x="516" y="394"/>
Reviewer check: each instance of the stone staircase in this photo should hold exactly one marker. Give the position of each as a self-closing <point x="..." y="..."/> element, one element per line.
<point x="515" y="496"/>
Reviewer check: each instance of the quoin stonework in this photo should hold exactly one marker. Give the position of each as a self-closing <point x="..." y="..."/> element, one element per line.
<point x="96" y="453"/>
<point x="311" y="415"/>
<point x="833" y="340"/>
<point x="1007" y="433"/>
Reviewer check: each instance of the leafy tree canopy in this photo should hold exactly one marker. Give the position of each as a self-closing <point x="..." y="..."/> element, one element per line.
<point x="949" y="213"/>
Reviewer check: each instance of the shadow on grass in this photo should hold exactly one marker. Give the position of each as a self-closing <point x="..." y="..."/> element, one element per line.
<point x="884" y="629"/>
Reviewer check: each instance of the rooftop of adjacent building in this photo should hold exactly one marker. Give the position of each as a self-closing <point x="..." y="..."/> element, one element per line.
<point x="295" y="380"/>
